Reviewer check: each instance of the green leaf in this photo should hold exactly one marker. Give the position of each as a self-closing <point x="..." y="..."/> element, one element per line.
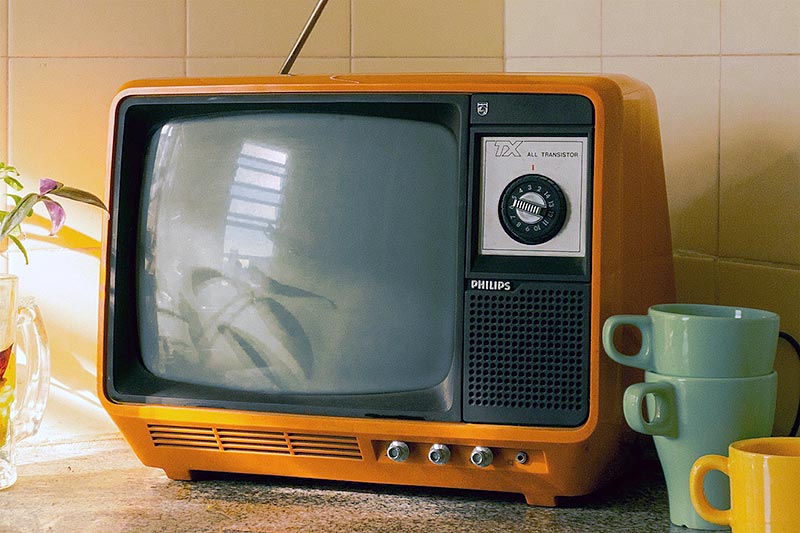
<point x="12" y="182"/>
<point x="17" y="198"/>
<point x="21" y="248"/>
<point x="18" y="214"/>
<point x="79" y="196"/>
<point x="8" y="169"/>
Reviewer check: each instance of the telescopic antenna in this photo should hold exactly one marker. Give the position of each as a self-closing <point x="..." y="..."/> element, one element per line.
<point x="303" y="37"/>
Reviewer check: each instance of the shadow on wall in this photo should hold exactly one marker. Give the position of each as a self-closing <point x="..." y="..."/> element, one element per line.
<point x="747" y="219"/>
<point x="65" y="238"/>
<point x="63" y="278"/>
<point x="692" y="188"/>
<point x="760" y="195"/>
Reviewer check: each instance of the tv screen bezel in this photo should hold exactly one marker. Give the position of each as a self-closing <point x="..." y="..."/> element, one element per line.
<point x="127" y="380"/>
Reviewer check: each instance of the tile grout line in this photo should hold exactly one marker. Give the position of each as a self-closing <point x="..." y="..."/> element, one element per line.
<point x="602" y="51"/>
<point x="7" y="125"/>
<point x="8" y="82"/>
<point x="278" y="57"/>
<point x="185" y="37"/>
<point x="717" y="288"/>
<point x="351" y="62"/>
<point x="505" y="37"/>
<point x="689" y="254"/>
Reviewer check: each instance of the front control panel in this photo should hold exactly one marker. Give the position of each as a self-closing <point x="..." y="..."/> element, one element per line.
<point x="459" y="456"/>
<point x="527" y="300"/>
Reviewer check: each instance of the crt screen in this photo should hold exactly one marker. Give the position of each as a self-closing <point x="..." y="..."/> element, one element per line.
<point x="300" y="253"/>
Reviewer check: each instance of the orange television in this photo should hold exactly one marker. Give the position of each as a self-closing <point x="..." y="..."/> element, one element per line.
<point x="382" y="279"/>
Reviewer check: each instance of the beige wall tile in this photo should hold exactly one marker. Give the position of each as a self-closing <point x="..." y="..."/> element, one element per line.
<point x="763" y="287"/>
<point x="766" y="26"/>
<point x="255" y="28"/>
<point x="696" y="279"/>
<point x="68" y="299"/>
<point x="554" y="64"/>
<point x="552" y="28"/>
<point x="427" y="64"/>
<point x="658" y="27"/>
<point x="3" y="27"/>
<point x="687" y="93"/>
<point x="96" y="28"/>
<point x="422" y="28"/>
<point x="3" y="111"/>
<point x="251" y="66"/>
<point x="58" y="119"/>
<point x="777" y="290"/>
<point x="760" y="158"/>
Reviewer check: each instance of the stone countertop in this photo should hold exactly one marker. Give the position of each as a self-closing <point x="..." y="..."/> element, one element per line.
<point x="100" y="486"/>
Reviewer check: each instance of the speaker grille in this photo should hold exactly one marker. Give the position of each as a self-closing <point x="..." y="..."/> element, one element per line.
<point x="527" y="355"/>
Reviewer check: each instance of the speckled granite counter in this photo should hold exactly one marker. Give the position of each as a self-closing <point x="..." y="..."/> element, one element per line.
<point x="101" y="487"/>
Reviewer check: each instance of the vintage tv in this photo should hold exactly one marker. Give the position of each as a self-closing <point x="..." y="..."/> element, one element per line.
<point x="385" y="279"/>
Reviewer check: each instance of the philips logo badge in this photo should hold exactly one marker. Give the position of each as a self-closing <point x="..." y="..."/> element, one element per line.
<point x="489" y="285"/>
<point x="482" y="108"/>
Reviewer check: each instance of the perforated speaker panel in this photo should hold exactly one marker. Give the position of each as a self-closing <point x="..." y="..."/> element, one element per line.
<point x="526" y="355"/>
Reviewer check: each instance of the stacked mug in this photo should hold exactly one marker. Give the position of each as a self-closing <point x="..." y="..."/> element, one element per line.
<point x="709" y="381"/>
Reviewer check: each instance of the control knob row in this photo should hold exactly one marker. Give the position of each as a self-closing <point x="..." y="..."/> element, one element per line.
<point x="439" y="454"/>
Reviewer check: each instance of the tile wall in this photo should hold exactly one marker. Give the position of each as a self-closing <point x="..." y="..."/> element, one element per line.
<point x="726" y="75"/>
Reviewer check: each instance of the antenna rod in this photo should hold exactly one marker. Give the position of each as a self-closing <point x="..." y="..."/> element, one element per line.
<point x="301" y="39"/>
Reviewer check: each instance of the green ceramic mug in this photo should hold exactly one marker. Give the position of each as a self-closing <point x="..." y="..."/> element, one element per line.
<point x="692" y="417"/>
<point x="695" y="340"/>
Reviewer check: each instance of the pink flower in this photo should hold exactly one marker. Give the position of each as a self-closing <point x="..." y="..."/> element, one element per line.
<point x="54" y="209"/>
<point x="57" y="215"/>
<point x="47" y="185"/>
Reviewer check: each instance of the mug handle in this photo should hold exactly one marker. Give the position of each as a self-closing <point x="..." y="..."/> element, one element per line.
<point x="663" y="420"/>
<point x="644" y="324"/>
<point x="697" y="476"/>
<point x="33" y="355"/>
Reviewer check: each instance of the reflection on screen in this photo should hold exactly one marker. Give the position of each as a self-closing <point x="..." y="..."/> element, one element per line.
<point x="300" y="253"/>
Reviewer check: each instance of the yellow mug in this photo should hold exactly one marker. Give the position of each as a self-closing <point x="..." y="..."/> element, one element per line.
<point x="764" y="479"/>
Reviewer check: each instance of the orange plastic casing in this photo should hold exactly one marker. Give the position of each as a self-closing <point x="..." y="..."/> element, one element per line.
<point x="631" y="269"/>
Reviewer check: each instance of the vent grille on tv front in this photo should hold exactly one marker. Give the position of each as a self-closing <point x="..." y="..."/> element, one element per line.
<point x="255" y="441"/>
<point x="527" y="355"/>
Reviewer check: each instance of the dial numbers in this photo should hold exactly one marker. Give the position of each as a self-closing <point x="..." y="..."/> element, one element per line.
<point x="532" y="209"/>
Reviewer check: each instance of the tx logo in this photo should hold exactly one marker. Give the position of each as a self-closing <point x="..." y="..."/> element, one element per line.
<point x="507" y="148"/>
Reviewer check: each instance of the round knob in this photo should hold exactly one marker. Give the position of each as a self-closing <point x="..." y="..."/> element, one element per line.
<point x="481" y="456"/>
<point x="397" y="451"/>
<point x="533" y="209"/>
<point x="439" y="454"/>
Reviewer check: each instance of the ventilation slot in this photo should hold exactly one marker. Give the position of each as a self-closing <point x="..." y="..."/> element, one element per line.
<point x="183" y="437"/>
<point x="251" y="441"/>
<point x="317" y="446"/>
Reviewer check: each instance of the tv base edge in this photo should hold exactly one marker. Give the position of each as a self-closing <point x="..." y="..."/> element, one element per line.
<point x="543" y="472"/>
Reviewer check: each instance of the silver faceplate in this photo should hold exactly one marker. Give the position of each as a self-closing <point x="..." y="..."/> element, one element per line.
<point x="562" y="159"/>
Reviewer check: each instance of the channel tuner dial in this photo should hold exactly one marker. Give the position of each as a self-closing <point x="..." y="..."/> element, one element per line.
<point x="532" y="209"/>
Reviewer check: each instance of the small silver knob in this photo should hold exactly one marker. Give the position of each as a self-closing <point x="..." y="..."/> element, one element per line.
<point x="397" y="451"/>
<point x="481" y="456"/>
<point x="439" y="454"/>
